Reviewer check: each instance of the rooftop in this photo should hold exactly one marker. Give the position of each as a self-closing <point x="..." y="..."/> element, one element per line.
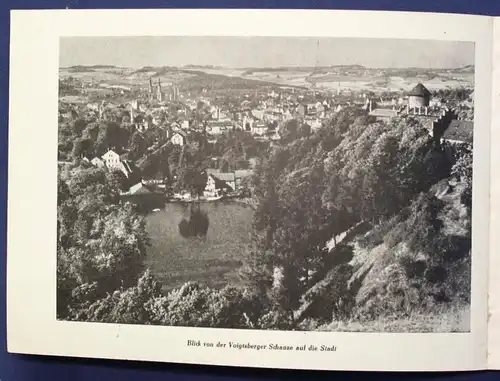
<point x="419" y="91"/>
<point x="139" y="189"/>
<point x="460" y="130"/>
<point x="225" y="176"/>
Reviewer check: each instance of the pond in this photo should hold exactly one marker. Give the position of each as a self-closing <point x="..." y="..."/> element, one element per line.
<point x="198" y="242"/>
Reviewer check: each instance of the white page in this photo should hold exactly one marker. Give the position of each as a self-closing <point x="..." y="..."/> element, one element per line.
<point x="32" y="324"/>
<point x="494" y="294"/>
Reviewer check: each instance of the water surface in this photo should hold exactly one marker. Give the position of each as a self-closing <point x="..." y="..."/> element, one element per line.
<point x="212" y="258"/>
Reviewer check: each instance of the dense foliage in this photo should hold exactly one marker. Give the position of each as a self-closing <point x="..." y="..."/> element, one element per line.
<point x="322" y="199"/>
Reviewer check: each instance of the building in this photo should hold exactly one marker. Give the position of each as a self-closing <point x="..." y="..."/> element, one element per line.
<point x="111" y="159"/>
<point x="172" y="93"/>
<point x="179" y="138"/>
<point x="418" y="98"/>
<point x="229" y="178"/>
<point x="155" y="93"/>
<point x="160" y="96"/>
<point x="219" y="127"/>
<point x="302" y="109"/>
<point x="216" y="186"/>
<point x="150" y="90"/>
<point x="144" y="196"/>
<point x="135" y="104"/>
<point x="114" y="162"/>
<point x="247" y="123"/>
<point x="259" y="128"/>
<point x="97" y="162"/>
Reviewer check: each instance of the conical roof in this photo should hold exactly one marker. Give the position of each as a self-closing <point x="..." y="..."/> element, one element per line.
<point x="419" y="91"/>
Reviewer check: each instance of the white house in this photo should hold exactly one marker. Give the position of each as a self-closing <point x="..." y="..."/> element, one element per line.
<point x="114" y="162"/>
<point x="178" y="138"/>
<point x="97" y="162"/>
<point x="112" y="159"/>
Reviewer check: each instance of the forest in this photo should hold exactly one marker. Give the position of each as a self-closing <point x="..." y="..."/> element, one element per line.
<point x="358" y="223"/>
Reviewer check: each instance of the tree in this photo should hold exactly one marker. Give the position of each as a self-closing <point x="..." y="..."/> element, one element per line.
<point x="117" y="180"/>
<point x="82" y="148"/>
<point x="78" y="127"/>
<point x="143" y="303"/>
<point x="462" y="170"/>
<point x="136" y="146"/>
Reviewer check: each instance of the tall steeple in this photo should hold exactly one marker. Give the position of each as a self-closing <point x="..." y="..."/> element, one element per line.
<point x="150" y="90"/>
<point x="159" y="93"/>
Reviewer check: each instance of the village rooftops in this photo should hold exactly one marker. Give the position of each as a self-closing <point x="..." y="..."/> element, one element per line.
<point x="459" y="131"/>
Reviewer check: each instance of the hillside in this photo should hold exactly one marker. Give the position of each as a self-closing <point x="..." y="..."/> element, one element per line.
<point x="400" y="214"/>
<point x="361" y="225"/>
<point x="388" y="275"/>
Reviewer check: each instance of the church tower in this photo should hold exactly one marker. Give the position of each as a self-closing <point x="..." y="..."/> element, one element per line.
<point x="150" y="90"/>
<point x="159" y="93"/>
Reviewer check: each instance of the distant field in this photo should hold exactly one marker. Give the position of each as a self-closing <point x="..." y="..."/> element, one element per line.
<point x="357" y="81"/>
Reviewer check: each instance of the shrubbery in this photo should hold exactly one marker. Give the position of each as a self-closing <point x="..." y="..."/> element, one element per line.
<point x="312" y="188"/>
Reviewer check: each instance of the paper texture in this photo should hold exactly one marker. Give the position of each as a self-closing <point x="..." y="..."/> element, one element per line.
<point x="493" y="292"/>
<point x="52" y="49"/>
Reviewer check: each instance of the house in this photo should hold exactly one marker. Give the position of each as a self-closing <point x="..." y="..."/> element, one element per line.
<point x="228" y="177"/>
<point x="111" y="159"/>
<point x="248" y="123"/>
<point x="98" y="162"/>
<point x="114" y="162"/>
<point x="216" y="186"/>
<point x="144" y="196"/>
<point x="139" y="189"/>
<point x="179" y="138"/>
<point x="219" y="127"/>
<point x="315" y="123"/>
<point x="259" y="128"/>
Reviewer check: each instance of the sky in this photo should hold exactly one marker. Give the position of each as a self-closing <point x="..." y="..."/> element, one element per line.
<point x="238" y="52"/>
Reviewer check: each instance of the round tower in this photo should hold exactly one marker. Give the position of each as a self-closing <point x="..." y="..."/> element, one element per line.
<point x="419" y="97"/>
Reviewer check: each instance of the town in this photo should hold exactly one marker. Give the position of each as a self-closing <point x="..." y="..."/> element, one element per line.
<point x="147" y="126"/>
<point x="320" y="197"/>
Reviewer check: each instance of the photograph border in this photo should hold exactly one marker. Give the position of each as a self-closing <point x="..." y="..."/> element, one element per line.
<point x="32" y="326"/>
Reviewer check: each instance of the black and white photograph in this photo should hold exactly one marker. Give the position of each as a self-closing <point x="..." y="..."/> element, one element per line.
<point x="265" y="183"/>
